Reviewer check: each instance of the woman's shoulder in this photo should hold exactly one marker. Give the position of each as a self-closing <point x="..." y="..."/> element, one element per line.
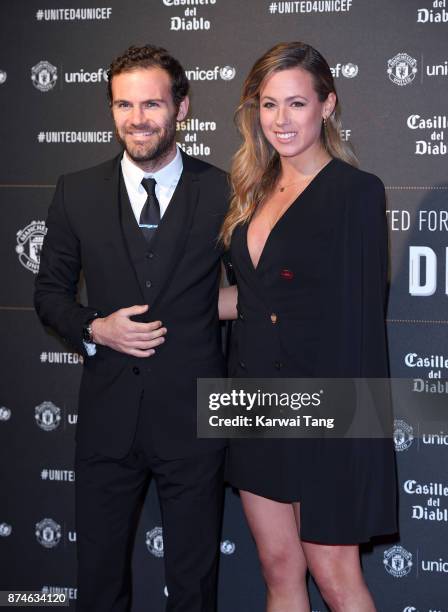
<point x="355" y="179"/>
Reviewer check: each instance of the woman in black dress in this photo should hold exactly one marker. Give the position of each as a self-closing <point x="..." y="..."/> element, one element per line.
<point x="307" y="236"/>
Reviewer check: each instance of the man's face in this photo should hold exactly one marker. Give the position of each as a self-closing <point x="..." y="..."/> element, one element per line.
<point x="145" y="115"/>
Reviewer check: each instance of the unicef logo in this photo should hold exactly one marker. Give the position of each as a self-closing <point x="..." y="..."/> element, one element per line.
<point x="29" y="245"/>
<point x="349" y="70"/>
<point x="403" y="435"/>
<point x="44" y="76"/>
<point x="227" y="73"/>
<point x="48" y="533"/>
<point x="402" y="69"/>
<point x="47" y="416"/>
<point x="5" y="530"/>
<point x="397" y="561"/>
<point x="227" y="547"/>
<point x="3" y="76"/>
<point x="154" y="541"/>
<point x="5" y="413"/>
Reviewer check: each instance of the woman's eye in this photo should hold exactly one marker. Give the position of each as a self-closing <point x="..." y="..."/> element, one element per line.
<point x="297" y="104"/>
<point x="268" y="105"/>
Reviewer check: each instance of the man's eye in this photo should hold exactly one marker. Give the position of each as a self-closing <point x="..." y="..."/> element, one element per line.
<point x="151" y="105"/>
<point x="123" y="105"/>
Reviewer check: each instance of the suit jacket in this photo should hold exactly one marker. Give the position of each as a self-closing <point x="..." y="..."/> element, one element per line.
<point x="91" y="228"/>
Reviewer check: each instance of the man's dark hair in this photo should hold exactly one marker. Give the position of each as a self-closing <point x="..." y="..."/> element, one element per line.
<point x="149" y="56"/>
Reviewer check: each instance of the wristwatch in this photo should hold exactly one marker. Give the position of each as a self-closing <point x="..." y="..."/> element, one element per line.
<point x="87" y="333"/>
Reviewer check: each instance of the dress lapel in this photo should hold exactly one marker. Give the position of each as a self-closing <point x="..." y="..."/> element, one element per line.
<point x="240" y="256"/>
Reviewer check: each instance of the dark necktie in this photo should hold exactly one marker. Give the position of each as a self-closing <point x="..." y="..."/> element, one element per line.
<point x="150" y="215"/>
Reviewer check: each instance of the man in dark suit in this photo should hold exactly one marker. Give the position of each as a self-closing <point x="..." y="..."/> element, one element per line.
<point x="143" y="228"/>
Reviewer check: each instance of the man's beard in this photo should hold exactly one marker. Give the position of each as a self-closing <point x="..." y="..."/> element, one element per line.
<point x="155" y="150"/>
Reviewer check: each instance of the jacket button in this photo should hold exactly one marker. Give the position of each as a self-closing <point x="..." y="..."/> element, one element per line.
<point x="242" y="365"/>
<point x="149" y="255"/>
<point x="148" y="284"/>
<point x="136" y="370"/>
<point x="278" y="365"/>
<point x="240" y="316"/>
<point x="274" y="318"/>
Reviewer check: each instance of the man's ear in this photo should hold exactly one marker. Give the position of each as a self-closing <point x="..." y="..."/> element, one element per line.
<point x="183" y="109"/>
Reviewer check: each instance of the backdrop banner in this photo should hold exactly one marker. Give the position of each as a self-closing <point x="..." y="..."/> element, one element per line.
<point x="390" y="64"/>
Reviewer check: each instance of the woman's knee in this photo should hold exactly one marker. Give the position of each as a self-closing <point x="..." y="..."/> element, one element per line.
<point x="338" y="579"/>
<point x="281" y="563"/>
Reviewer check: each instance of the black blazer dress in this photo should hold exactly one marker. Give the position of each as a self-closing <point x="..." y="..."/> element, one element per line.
<point x="315" y="307"/>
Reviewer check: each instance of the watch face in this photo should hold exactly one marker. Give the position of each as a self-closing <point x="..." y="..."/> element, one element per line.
<point x="87" y="333"/>
<point x="87" y="329"/>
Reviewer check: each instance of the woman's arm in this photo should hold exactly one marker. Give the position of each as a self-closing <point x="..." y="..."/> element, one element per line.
<point x="227" y="303"/>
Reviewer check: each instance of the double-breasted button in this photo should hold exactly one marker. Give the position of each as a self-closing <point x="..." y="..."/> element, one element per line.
<point x="274" y="318"/>
<point x="242" y="365"/>
<point x="136" y="370"/>
<point x="287" y="274"/>
<point x="278" y="365"/>
<point x="240" y="316"/>
<point x="148" y="284"/>
<point x="149" y="255"/>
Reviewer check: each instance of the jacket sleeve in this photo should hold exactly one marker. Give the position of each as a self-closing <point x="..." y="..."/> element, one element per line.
<point x="55" y="297"/>
<point x="374" y="360"/>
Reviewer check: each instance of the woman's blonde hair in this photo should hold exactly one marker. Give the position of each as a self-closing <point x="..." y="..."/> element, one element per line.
<point x="256" y="164"/>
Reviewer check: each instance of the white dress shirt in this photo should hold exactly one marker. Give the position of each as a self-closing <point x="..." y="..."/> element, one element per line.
<point x="166" y="182"/>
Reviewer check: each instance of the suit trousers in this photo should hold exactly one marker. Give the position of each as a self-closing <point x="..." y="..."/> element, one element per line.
<point x="109" y="496"/>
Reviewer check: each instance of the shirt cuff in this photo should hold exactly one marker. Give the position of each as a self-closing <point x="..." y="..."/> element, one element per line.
<point x="90" y="348"/>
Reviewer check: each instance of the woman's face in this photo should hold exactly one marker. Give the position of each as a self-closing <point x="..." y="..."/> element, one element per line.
<point x="291" y="113"/>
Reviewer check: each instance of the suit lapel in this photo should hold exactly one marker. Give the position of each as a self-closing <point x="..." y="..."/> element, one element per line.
<point x="154" y="264"/>
<point x="134" y="241"/>
<point x="112" y="213"/>
<point x="169" y="242"/>
<point x="106" y="200"/>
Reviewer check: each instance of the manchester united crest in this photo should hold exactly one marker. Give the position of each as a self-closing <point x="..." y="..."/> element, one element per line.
<point x="48" y="533"/>
<point x="397" y="561"/>
<point x="154" y="541"/>
<point x="47" y="416"/>
<point x="402" y="69"/>
<point x="29" y="245"/>
<point x="44" y="76"/>
<point x="403" y="435"/>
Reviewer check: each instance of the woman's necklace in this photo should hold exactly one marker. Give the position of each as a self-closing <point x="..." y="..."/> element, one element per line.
<point x="308" y="178"/>
<point x="305" y="183"/>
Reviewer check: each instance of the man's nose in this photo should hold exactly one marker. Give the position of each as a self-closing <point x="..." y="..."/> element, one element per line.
<point x="138" y="115"/>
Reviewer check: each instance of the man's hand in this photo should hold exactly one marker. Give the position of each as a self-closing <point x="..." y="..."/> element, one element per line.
<point x="118" y="332"/>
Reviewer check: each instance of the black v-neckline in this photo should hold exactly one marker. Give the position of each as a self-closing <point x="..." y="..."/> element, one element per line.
<point x="255" y="268"/>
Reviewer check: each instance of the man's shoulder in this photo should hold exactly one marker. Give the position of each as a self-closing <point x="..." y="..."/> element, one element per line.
<point x="100" y="171"/>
